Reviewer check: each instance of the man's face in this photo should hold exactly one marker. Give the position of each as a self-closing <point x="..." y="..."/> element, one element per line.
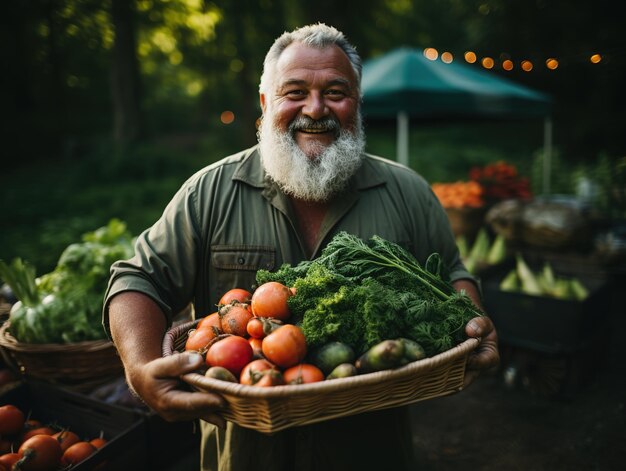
<point x="318" y="84"/>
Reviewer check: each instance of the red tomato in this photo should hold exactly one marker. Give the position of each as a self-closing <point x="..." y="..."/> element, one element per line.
<point x="212" y="320"/>
<point x="232" y="352"/>
<point x="9" y="459"/>
<point x="257" y="347"/>
<point x="235" y="294"/>
<point x="234" y="318"/>
<point x="255" y="328"/>
<point x="78" y="452"/>
<point x="31" y="424"/>
<point x="11" y="420"/>
<point x="5" y="446"/>
<point x="41" y="452"/>
<point x="261" y="373"/>
<point x="303" y="373"/>
<point x="66" y="439"/>
<point x="43" y="430"/>
<point x="259" y="327"/>
<point x="199" y="339"/>
<point x="270" y="300"/>
<point x="98" y="442"/>
<point x="286" y="346"/>
<point x="271" y="377"/>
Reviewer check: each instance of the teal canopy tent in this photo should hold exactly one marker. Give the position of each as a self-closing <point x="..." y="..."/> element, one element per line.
<point x="404" y="84"/>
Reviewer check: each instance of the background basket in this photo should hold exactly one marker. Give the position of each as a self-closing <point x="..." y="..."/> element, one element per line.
<point x="80" y="366"/>
<point x="272" y="409"/>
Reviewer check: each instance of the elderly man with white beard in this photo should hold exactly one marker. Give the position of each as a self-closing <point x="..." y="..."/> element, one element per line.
<point x="280" y="202"/>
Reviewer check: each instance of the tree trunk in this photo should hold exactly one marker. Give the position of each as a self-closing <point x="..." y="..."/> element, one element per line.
<point x="125" y="85"/>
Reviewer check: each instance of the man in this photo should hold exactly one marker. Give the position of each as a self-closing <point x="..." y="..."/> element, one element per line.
<point x="280" y="202"/>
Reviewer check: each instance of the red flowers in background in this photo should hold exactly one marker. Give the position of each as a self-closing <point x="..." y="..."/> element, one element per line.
<point x="501" y="181"/>
<point x="489" y="184"/>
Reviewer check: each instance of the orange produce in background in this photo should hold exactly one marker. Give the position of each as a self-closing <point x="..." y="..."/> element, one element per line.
<point x="459" y="194"/>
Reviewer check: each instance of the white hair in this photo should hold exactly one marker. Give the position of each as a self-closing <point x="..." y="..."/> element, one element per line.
<point x="317" y="35"/>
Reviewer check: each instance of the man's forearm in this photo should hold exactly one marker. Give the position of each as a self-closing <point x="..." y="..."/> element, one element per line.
<point x="137" y="328"/>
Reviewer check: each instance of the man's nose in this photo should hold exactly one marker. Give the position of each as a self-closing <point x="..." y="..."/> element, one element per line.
<point x="315" y="106"/>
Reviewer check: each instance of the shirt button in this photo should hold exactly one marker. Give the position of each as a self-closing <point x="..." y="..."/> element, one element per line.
<point x="241" y="260"/>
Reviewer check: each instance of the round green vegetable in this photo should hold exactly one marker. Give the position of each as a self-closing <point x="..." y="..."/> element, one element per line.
<point x="329" y="356"/>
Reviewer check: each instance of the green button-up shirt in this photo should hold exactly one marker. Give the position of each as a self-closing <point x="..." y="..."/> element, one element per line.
<point x="229" y="220"/>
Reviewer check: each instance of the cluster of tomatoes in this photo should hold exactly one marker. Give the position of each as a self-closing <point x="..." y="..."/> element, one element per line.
<point x="249" y="339"/>
<point x="29" y="445"/>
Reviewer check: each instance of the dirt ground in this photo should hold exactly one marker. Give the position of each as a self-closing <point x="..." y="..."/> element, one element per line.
<point x="536" y="412"/>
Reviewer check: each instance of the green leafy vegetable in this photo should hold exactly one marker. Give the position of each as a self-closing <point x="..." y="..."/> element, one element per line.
<point x="65" y="305"/>
<point x="362" y="293"/>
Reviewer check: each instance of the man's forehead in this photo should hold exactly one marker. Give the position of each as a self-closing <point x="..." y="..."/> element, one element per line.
<point x="299" y="59"/>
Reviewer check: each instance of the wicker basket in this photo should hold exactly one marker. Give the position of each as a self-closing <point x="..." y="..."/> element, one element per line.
<point x="80" y="366"/>
<point x="272" y="409"/>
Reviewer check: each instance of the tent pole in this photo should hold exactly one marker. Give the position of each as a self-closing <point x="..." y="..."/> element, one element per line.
<point x="547" y="154"/>
<point x="402" y="143"/>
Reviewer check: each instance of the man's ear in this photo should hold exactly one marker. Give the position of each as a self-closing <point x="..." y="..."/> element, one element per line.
<point x="262" y="101"/>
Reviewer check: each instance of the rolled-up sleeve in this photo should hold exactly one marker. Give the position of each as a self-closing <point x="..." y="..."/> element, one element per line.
<point x="164" y="266"/>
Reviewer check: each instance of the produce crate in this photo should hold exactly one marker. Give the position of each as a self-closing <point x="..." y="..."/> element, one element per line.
<point x="125" y="431"/>
<point x="544" y="323"/>
<point x="161" y="436"/>
<point x="269" y="410"/>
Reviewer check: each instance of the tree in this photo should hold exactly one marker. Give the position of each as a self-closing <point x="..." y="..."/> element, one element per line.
<point x="125" y="85"/>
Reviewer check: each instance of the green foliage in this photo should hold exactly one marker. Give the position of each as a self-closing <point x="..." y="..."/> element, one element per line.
<point x="599" y="182"/>
<point x="446" y="151"/>
<point x="48" y="206"/>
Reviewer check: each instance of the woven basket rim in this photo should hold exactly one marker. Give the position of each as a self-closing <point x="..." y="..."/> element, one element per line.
<point x="11" y="343"/>
<point x="416" y="368"/>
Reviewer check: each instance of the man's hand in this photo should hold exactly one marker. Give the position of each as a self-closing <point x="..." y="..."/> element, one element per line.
<point x="486" y="355"/>
<point x="157" y="383"/>
<point x="137" y="328"/>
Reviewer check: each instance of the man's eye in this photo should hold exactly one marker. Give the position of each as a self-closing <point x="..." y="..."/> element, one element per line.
<point x="335" y="93"/>
<point x="295" y="93"/>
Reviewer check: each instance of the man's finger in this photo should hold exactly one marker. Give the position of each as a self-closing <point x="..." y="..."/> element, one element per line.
<point x="176" y="365"/>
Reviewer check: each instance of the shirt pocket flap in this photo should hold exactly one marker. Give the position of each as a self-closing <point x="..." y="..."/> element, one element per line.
<point x="243" y="257"/>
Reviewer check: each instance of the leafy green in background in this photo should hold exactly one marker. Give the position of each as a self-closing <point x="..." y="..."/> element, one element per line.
<point x="65" y="305"/>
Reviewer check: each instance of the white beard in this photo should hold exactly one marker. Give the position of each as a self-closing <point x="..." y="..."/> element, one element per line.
<point x="315" y="178"/>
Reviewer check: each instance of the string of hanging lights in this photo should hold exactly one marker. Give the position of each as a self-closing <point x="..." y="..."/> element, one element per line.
<point x="505" y="62"/>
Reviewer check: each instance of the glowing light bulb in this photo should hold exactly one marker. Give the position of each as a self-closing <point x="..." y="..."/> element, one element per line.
<point x="431" y="53"/>
<point x="527" y="66"/>
<point x="227" y="117"/>
<point x="595" y="59"/>
<point x="470" y="57"/>
<point x="447" y="57"/>
<point x="552" y="63"/>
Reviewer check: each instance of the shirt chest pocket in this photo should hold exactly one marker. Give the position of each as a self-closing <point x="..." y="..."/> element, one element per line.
<point x="243" y="257"/>
<point x="235" y="266"/>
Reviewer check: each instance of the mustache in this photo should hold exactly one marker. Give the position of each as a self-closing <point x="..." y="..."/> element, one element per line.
<point x="304" y="122"/>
